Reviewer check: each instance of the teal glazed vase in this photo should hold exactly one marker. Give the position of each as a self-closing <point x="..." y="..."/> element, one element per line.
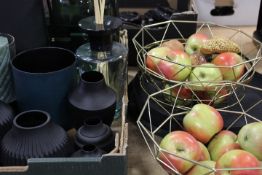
<point x="7" y="52"/>
<point x="43" y="77"/>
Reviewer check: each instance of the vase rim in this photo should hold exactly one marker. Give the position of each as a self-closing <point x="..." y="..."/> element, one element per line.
<point x="73" y="62"/>
<point x="40" y="124"/>
<point x="10" y="38"/>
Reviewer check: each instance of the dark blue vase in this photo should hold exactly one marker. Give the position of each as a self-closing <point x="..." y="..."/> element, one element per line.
<point x="43" y="77"/>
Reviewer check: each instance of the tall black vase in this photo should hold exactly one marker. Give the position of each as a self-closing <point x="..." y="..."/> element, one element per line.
<point x="6" y="118"/>
<point x="33" y="135"/>
<point x="96" y="133"/>
<point x="91" y="99"/>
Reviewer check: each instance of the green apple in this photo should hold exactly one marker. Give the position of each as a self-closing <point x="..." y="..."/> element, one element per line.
<point x="223" y="142"/>
<point x="237" y="159"/>
<point x="203" y="122"/>
<point x="205" y="77"/>
<point x="204" y="152"/>
<point x="195" y="42"/>
<point x="250" y="138"/>
<point x="179" y="143"/>
<point x="202" y="170"/>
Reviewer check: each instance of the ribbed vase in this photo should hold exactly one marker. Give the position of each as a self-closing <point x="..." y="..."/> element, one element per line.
<point x="6" y="118"/>
<point x="34" y="135"/>
<point x="7" y="51"/>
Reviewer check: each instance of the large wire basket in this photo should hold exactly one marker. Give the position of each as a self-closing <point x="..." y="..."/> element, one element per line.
<point x="248" y="108"/>
<point x="147" y="38"/>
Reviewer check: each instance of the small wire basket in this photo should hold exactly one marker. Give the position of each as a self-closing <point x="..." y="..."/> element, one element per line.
<point x="247" y="109"/>
<point x="147" y="38"/>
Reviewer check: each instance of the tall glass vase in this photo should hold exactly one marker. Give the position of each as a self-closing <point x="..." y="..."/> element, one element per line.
<point x="64" y="17"/>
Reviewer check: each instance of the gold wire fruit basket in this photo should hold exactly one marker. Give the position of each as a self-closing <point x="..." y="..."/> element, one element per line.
<point x="247" y="110"/>
<point x="147" y="39"/>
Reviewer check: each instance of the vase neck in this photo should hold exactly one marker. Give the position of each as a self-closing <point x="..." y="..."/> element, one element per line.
<point x="92" y="80"/>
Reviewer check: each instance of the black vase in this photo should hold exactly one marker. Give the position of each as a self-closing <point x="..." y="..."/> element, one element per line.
<point x="88" y="151"/>
<point x="6" y="118"/>
<point x="96" y="133"/>
<point x="34" y="135"/>
<point x="92" y="98"/>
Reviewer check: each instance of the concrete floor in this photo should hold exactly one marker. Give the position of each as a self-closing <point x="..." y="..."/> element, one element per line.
<point x="140" y="161"/>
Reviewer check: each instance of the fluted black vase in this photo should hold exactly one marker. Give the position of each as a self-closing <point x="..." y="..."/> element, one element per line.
<point x="88" y="151"/>
<point x="6" y="118"/>
<point x="33" y="135"/>
<point x="91" y="99"/>
<point x="96" y="133"/>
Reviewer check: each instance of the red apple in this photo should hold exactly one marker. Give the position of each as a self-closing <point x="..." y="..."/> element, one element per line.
<point x="180" y="95"/>
<point x="205" y="77"/>
<point x="194" y="42"/>
<point x="182" y="144"/>
<point x="223" y="142"/>
<point x="176" y="66"/>
<point x="238" y="159"/>
<point x="212" y="97"/>
<point x="182" y="92"/>
<point x="232" y="65"/>
<point x="204" y="155"/>
<point x="155" y="55"/>
<point x="202" y="169"/>
<point x="203" y="122"/>
<point x="173" y="44"/>
<point x="250" y="138"/>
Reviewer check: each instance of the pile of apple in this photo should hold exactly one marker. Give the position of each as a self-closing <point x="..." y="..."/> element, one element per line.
<point x="204" y="142"/>
<point x="188" y="61"/>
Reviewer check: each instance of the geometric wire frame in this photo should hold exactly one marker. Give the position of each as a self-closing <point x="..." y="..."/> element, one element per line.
<point x="244" y="112"/>
<point x="239" y="109"/>
<point x="146" y="39"/>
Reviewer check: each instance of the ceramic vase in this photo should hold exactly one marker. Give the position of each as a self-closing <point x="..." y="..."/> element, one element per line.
<point x="34" y="135"/>
<point x="43" y="78"/>
<point x="92" y="99"/>
<point x="7" y="53"/>
<point x="6" y="118"/>
<point x="96" y="133"/>
<point x="88" y="151"/>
